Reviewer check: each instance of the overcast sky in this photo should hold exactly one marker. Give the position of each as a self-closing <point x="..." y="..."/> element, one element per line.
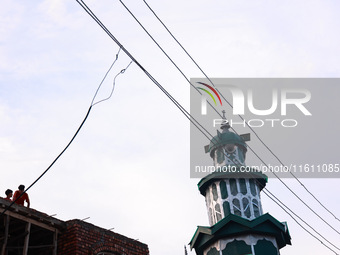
<point x="129" y="166"/>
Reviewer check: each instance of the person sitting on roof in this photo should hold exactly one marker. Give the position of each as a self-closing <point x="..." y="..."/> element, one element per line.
<point x="19" y="197"/>
<point x="9" y="194"/>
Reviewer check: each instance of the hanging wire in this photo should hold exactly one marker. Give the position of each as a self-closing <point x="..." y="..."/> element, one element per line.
<point x="298" y="197"/>
<point x="285" y="208"/>
<point x="105" y="77"/>
<point x="254" y="132"/>
<point x="178" y="105"/>
<point x="187" y="115"/>
<point x="113" y="85"/>
<point x="49" y="167"/>
<point x="74" y="136"/>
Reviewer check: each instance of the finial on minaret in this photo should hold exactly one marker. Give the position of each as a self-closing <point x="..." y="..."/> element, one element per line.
<point x="223" y="112"/>
<point x="225" y="124"/>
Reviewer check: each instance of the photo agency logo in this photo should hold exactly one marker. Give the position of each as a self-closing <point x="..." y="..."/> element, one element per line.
<point x="270" y="106"/>
<point x="204" y="99"/>
<point x="290" y="114"/>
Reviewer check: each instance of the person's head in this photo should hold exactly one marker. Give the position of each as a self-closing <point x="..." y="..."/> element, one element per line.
<point x="9" y="193"/>
<point x="21" y="187"/>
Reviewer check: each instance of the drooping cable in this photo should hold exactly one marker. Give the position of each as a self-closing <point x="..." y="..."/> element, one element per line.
<point x="49" y="167"/>
<point x="113" y="85"/>
<point x="100" y="84"/>
<point x="69" y="143"/>
<point x="254" y="132"/>
<point x="178" y="105"/>
<point x="298" y="197"/>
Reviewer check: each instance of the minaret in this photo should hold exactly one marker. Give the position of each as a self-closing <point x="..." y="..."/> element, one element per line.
<point x="237" y="223"/>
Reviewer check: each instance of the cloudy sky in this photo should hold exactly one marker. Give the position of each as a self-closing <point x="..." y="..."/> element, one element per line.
<point x="128" y="168"/>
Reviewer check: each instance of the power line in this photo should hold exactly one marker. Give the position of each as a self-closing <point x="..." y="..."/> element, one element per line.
<point x="255" y="133"/>
<point x="170" y="97"/>
<point x="298" y="197"/>
<point x="151" y="37"/>
<point x="303" y="226"/>
<point x="178" y="105"/>
<point x="88" y="10"/>
<point x="283" y="206"/>
<point x="266" y="190"/>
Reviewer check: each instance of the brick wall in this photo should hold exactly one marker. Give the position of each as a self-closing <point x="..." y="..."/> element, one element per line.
<point x="82" y="238"/>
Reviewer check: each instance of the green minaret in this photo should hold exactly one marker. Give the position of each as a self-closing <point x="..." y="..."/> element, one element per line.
<point x="237" y="223"/>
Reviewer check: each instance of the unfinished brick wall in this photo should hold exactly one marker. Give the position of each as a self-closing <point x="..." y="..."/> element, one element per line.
<point x="82" y="238"/>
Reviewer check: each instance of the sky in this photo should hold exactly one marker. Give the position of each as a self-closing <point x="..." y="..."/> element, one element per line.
<point x="129" y="167"/>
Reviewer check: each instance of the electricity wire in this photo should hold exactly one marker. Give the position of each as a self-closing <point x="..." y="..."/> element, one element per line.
<point x="178" y="105"/>
<point x="298" y="197"/>
<point x="49" y="167"/>
<point x="176" y="66"/>
<point x="164" y="91"/>
<point x="113" y="85"/>
<point x="72" y="139"/>
<point x="264" y="191"/>
<point x="95" y="94"/>
<point x="283" y="206"/>
<point x="254" y="132"/>
<point x="86" y="8"/>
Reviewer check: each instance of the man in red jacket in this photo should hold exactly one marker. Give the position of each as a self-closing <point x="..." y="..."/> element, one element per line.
<point x="23" y="198"/>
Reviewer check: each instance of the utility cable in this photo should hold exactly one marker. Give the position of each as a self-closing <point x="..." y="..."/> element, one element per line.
<point x="48" y="168"/>
<point x="178" y="105"/>
<point x="302" y="226"/>
<point x="176" y="66"/>
<point x="100" y="84"/>
<point x="283" y="206"/>
<point x="265" y="192"/>
<point x="134" y="60"/>
<point x="221" y="117"/>
<point x="113" y="85"/>
<point x="72" y="139"/>
<point x="255" y="133"/>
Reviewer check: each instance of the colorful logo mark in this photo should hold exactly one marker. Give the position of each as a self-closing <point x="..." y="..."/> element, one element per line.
<point x="204" y="101"/>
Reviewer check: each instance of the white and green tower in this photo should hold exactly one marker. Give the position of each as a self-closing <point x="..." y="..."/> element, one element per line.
<point x="232" y="194"/>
